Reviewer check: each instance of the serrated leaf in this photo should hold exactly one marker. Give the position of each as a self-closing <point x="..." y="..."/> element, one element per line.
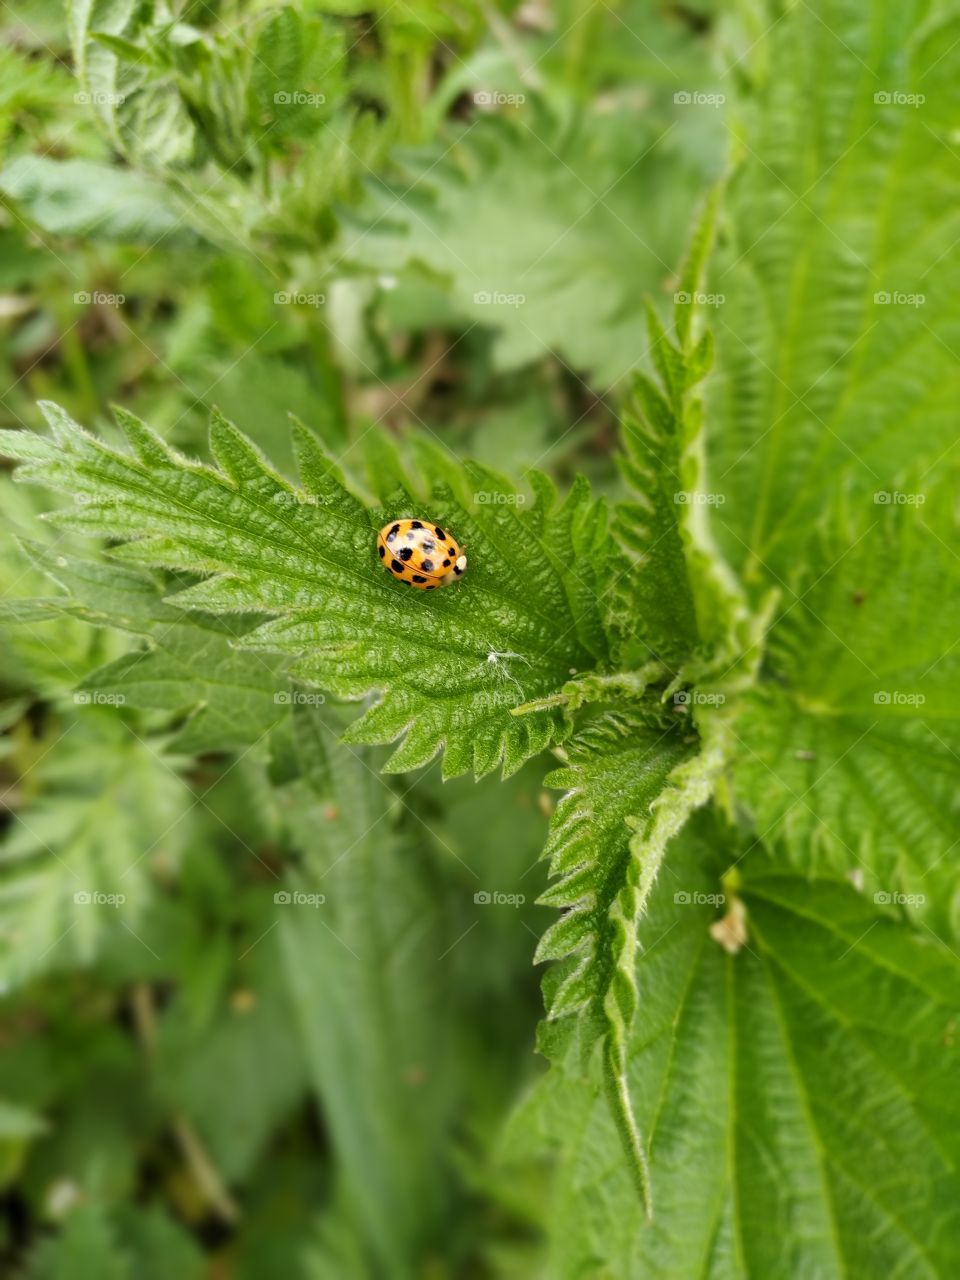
<point x="839" y="317"/>
<point x="806" y="1079"/>
<point x="75" y="863"/>
<point x="847" y="749"/>
<point x="629" y="789"/>
<point x="82" y="198"/>
<point x="561" y="270"/>
<point x="449" y="666"/>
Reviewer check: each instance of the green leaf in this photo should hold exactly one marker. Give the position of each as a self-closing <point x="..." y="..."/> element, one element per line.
<point x="87" y="1246"/>
<point x="82" y="198"/>
<point x="630" y="788"/>
<point x="847" y="748"/>
<point x="377" y="1030"/>
<point x="562" y="269"/>
<point x="836" y="207"/>
<point x="449" y="666"/>
<point x="190" y="663"/>
<point x="806" y="1078"/>
<point x="297" y="73"/>
<point x="75" y="862"/>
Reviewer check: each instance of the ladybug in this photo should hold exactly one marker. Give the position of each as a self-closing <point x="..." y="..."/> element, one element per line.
<point x="420" y="554"/>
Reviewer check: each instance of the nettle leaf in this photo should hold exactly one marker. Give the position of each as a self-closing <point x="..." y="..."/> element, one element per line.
<point x="630" y="787"/>
<point x="381" y="1017"/>
<point x="678" y="593"/>
<point x="829" y="305"/>
<point x="87" y="1245"/>
<point x="847" y="749"/>
<point x="803" y="1076"/>
<point x="296" y="76"/>
<point x="189" y="663"/>
<point x="81" y="197"/>
<point x="559" y="271"/>
<point x="449" y="666"/>
<point x="75" y="863"/>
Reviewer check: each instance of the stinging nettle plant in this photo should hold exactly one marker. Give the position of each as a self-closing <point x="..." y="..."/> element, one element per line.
<point x="573" y="630"/>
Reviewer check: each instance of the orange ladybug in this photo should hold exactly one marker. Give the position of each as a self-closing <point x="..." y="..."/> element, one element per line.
<point x="420" y="553"/>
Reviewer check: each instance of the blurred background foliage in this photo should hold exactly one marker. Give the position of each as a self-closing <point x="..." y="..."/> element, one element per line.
<point x="400" y="222"/>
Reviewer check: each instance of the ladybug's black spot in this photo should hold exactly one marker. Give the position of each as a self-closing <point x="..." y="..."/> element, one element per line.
<point x="427" y="545"/>
<point x="396" y="566"/>
<point x="439" y="532"/>
<point x="457" y="569"/>
<point x="446" y="563"/>
<point x="418" y="577"/>
<point x="393" y="533"/>
<point x="382" y="552"/>
<point x="416" y="524"/>
<point x="405" y="553"/>
<point x="427" y="566"/>
<point x="432" y="587"/>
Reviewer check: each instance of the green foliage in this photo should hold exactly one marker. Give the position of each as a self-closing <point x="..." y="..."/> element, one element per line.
<point x="268" y="996"/>
<point x="823" y="1049"/>
<point x="307" y="556"/>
